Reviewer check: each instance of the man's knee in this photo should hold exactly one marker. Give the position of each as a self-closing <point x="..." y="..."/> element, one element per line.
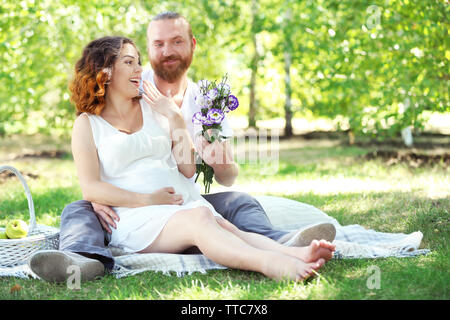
<point x="239" y="199"/>
<point x="79" y="216"/>
<point x="79" y="206"/>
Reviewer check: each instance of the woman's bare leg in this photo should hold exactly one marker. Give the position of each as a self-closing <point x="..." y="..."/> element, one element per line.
<point x="198" y="227"/>
<point x="316" y="250"/>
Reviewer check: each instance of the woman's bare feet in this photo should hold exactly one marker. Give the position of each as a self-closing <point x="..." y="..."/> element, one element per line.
<point x="284" y="267"/>
<point x="318" y="249"/>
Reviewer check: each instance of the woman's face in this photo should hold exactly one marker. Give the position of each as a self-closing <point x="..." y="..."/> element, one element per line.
<point x="126" y="73"/>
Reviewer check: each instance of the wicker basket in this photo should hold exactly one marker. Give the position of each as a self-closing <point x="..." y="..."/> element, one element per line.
<point x="15" y="252"/>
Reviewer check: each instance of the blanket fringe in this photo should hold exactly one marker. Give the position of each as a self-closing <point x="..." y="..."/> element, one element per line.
<point x="20" y="271"/>
<point x="121" y="271"/>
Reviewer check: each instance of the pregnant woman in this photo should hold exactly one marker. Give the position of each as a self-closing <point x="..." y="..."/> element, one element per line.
<point x="136" y="155"/>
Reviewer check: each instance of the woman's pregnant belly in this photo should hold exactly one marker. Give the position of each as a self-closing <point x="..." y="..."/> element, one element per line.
<point x="150" y="178"/>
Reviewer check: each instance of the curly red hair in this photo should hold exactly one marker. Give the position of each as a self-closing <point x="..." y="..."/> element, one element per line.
<point x="88" y="87"/>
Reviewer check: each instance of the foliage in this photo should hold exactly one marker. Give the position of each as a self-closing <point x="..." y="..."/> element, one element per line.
<point x="376" y="65"/>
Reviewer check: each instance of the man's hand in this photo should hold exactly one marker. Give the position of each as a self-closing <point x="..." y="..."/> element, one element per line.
<point x="218" y="155"/>
<point x="214" y="154"/>
<point x="106" y="216"/>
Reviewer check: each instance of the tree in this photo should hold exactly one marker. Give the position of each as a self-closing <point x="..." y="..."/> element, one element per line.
<point x="374" y="68"/>
<point x="253" y="65"/>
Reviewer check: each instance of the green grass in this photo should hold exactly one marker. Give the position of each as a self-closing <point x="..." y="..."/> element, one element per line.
<point x="332" y="177"/>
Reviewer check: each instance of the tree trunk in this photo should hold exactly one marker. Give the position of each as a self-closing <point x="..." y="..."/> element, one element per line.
<point x="254" y="69"/>
<point x="286" y="31"/>
<point x="288" y="93"/>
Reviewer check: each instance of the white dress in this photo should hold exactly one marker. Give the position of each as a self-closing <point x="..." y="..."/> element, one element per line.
<point x="142" y="162"/>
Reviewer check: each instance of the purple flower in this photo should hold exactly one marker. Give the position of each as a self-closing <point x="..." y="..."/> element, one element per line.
<point x="224" y="88"/>
<point x="197" y="118"/>
<point x="233" y="102"/>
<point x="223" y="104"/>
<point x="203" y="101"/>
<point x="215" y="115"/>
<point x="213" y="93"/>
<point x="206" y="122"/>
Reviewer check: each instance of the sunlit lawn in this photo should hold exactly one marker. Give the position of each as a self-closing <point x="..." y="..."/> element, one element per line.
<point x="331" y="176"/>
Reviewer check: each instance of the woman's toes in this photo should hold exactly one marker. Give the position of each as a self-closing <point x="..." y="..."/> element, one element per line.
<point x="325" y="244"/>
<point x="329" y="255"/>
<point x="315" y="244"/>
<point x="319" y="263"/>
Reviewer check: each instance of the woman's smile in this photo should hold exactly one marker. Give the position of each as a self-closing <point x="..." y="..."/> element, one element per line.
<point x="136" y="82"/>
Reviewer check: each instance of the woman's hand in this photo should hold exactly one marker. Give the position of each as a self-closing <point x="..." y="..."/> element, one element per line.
<point x="158" y="102"/>
<point x="182" y="145"/>
<point x="166" y="196"/>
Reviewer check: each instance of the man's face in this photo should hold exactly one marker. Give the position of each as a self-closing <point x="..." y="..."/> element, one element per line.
<point x="170" y="49"/>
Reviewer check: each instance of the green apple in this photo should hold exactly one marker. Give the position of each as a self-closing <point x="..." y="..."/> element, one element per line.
<point x="3" y="235"/>
<point x="16" y="229"/>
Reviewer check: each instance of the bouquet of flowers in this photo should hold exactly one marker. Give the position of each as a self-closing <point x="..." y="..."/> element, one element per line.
<point x="214" y="100"/>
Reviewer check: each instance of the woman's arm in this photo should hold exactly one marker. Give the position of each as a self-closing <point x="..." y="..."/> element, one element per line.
<point x="182" y="146"/>
<point x="88" y="170"/>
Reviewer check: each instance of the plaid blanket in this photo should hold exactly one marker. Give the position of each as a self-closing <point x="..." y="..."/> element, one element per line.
<point x="352" y="241"/>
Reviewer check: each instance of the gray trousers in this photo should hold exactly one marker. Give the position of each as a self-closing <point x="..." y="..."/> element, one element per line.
<point x="81" y="231"/>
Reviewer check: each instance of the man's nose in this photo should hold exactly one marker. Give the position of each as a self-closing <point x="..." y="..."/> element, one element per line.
<point x="167" y="50"/>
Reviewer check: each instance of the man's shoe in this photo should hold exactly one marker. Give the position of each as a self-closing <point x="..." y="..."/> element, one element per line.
<point x="53" y="265"/>
<point x="304" y="237"/>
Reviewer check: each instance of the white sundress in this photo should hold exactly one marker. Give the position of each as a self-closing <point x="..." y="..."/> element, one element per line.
<point x="142" y="162"/>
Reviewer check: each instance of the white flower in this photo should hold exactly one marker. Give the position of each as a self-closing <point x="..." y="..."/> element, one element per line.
<point x="224" y="88"/>
<point x="203" y="84"/>
<point x="213" y="93"/>
<point x="203" y="101"/>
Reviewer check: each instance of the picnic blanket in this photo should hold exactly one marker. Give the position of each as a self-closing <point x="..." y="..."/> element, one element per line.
<point x="352" y="241"/>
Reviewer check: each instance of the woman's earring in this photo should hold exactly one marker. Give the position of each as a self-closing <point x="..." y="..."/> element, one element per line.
<point x="109" y="73"/>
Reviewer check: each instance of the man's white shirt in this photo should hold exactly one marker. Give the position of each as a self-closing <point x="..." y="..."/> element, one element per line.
<point x="189" y="108"/>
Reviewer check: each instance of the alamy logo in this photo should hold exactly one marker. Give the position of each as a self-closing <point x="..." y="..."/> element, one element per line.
<point x="74" y="280"/>
<point x="374" y="280"/>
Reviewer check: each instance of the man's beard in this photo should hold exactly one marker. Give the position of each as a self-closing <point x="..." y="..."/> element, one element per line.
<point x="169" y="75"/>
